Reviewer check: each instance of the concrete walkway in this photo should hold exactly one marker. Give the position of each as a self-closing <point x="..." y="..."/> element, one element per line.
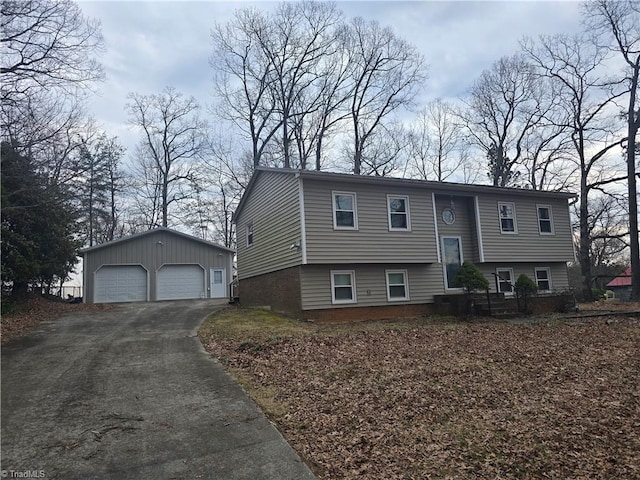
<point x="130" y="393"/>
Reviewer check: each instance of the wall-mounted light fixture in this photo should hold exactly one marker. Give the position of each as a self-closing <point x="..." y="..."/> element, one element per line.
<point x="295" y="246"/>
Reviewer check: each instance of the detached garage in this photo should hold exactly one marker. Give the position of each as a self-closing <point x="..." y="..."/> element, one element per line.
<point x="160" y="264"/>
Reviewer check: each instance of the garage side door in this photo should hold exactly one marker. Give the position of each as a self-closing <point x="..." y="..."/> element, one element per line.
<point x="120" y="283"/>
<point x="177" y="282"/>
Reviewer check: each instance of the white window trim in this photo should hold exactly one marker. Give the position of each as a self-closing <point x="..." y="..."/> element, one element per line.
<point x="515" y="220"/>
<point x="535" y="274"/>
<point x="407" y="213"/>
<point x="511" y="276"/>
<point x="553" y="231"/>
<point x="247" y="228"/>
<point x="353" y="287"/>
<point x="444" y="263"/>
<point x="406" y="286"/>
<point x="355" y="210"/>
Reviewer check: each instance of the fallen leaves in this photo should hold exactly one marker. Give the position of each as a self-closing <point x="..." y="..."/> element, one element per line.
<point x="35" y="310"/>
<point x="491" y="400"/>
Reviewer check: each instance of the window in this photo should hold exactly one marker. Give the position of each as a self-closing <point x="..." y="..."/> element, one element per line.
<point x="343" y="287"/>
<point x="249" y="234"/>
<point x="397" y="285"/>
<point x="543" y="279"/>
<point x="545" y="222"/>
<point x="504" y="279"/>
<point x="344" y="211"/>
<point x="398" y="207"/>
<point x="507" y="214"/>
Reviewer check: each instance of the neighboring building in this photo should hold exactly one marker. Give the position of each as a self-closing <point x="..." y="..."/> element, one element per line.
<point x="621" y="285"/>
<point x="321" y="245"/>
<point x="160" y="264"/>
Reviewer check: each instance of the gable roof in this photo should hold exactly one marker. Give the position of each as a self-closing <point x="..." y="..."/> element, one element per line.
<point x="622" y="280"/>
<point x="394" y="181"/>
<point x="150" y="232"/>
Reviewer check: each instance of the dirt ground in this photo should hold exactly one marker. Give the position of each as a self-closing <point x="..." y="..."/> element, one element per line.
<point x="551" y="398"/>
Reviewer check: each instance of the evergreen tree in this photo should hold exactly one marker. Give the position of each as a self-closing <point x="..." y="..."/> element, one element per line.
<point x="38" y="245"/>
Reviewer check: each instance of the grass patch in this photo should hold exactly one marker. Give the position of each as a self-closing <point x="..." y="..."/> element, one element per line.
<point x="251" y="326"/>
<point x="252" y="329"/>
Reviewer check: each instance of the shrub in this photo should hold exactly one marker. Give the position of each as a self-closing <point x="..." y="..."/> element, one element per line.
<point x="525" y="285"/>
<point x="470" y="278"/>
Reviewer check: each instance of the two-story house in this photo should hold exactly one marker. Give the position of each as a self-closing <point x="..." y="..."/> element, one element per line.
<point x="332" y="246"/>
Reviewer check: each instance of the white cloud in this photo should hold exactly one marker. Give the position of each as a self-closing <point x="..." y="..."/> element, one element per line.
<point x="152" y="44"/>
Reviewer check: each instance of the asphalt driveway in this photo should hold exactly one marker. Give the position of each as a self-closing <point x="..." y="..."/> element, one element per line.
<point x="130" y="393"/>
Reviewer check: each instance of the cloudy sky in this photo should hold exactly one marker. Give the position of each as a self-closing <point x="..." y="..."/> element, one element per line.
<point x="153" y="44"/>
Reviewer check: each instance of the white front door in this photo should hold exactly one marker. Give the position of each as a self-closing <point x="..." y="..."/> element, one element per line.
<point x="217" y="283"/>
<point x="452" y="259"/>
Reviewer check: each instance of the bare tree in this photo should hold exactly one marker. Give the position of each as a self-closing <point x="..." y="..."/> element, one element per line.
<point x="387" y="72"/>
<point x="607" y="224"/>
<point x="290" y="78"/>
<point x="226" y="177"/>
<point x="437" y="148"/>
<point x="243" y="76"/>
<point x="300" y="38"/>
<point x="277" y="76"/>
<point x="587" y="101"/>
<point x="174" y="139"/>
<point x="46" y="65"/>
<point x="385" y="151"/>
<point x="616" y="25"/>
<point x="47" y="45"/>
<point x="505" y="104"/>
<point x="546" y="158"/>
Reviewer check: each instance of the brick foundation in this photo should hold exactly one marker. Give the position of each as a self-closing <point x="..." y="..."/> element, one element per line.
<point x="279" y="291"/>
<point x="359" y="314"/>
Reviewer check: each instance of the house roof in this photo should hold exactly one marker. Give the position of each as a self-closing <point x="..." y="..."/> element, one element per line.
<point x="402" y="182"/>
<point x="150" y="232"/>
<point x="623" y="280"/>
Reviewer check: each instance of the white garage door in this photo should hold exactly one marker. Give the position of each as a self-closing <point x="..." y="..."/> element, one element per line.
<point x="120" y="283"/>
<point x="180" y="281"/>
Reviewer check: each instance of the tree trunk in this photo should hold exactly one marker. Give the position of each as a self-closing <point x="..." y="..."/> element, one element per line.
<point x="584" y="257"/>
<point x="319" y="153"/>
<point x="357" y="161"/>
<point x="633" y="120"/>
<point x="165" y="200"/>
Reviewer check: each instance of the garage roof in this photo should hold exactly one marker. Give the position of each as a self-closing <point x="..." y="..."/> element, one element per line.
<point x="149" y="232"/>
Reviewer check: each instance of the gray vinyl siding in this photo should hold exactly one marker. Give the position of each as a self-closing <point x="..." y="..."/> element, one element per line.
<point x="528" y="244"/>
<point x="273" y="208"/>
<point x="464" y="225"/>
<point x="152" y="251"/>
<point x="559" y="275"/>
<point x="424" y="281"/>
<point x="372" y="242"/>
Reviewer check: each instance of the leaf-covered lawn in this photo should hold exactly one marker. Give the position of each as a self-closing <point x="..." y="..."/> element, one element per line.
<point x="419" y="399"/>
